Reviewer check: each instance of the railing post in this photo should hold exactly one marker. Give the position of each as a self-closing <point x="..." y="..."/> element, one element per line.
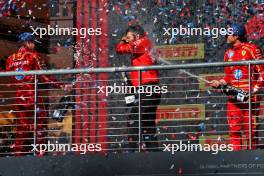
<point x="35" y="110"/>
<point x="139" y="113"/>
<point x="250" y="107"/>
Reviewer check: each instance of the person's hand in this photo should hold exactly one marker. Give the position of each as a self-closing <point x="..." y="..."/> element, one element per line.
<point x="124" y="39"/>
<point x="216" y="84"/>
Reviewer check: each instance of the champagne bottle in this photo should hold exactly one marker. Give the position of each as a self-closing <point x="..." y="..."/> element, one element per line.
<point x="236" y="93"/>
<point x="130" y="97"/>
<point x="62" y="109"/>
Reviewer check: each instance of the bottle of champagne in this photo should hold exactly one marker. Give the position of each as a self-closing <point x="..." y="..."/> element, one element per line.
<point x="236" y="93"/>
<point x="62" y="108"/>
<point x="130" y="97"/>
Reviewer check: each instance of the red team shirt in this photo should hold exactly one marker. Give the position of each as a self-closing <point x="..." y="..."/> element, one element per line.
<point x="238" y="76"/>
<point x="140" y="50"/>
<point x="26" y="60"/>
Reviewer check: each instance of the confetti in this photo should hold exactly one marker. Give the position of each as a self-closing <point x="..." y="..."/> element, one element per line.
<point x="173" y="136"/>
<point x="202" y="126"/>
<point x="180" y="171"/>
<point x="172" y="166"/>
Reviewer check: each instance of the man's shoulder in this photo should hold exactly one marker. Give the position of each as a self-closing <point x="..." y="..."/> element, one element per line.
<point x="15" y="56"/>
<point x="23" y="54"/>
<point x="143" y="42"/>
<point x="250" y="46"/>
<point x="254" y="50"/>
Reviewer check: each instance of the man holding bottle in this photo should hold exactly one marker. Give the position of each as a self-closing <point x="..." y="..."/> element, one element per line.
<point x="136" y="43"/>
<point x="237" y="78"/>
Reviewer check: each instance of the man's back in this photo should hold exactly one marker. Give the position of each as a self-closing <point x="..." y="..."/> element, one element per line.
<point x="22" y="60"/>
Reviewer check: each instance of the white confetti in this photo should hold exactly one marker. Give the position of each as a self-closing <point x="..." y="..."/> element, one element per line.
<point x="30" y="12"/>
<point x="172" y="166"/>
<point x="177" y="109"/>
<point x="155" y="20"/>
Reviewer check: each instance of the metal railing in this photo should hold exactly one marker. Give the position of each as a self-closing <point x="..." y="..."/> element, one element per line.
<point x="185" y="114"/>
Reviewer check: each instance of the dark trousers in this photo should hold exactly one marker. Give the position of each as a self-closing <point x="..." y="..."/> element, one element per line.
<point x="25" y="122"/>
<point x="148" y="109"/>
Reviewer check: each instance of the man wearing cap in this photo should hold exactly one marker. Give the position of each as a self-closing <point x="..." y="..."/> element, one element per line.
<point x="26" y="59"/>
<point x="238" y="77"/>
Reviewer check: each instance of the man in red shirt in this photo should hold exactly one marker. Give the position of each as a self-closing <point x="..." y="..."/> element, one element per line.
<point x="26" y="59"/>
<point x="136" y="43"/>
<point x="237" y="76"/>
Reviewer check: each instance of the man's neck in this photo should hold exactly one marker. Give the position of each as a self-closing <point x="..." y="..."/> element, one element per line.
<point x="237" y="43"/>
<point x="28" y="49"/>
